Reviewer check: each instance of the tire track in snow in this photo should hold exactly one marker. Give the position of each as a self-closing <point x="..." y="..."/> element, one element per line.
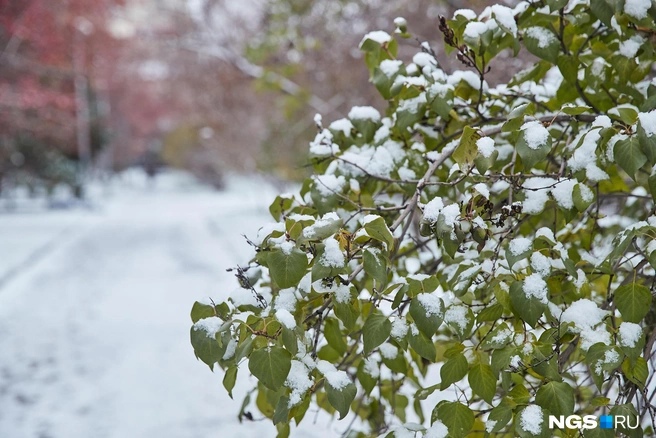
<point x="40" y="253"/>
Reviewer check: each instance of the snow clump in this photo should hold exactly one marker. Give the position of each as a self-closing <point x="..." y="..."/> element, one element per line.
<point x="431" y="304"/>
<point x="629" y="334"/>
<point x="335" y="378"/>
<point x="535" y="134"/>
<point x="210" y="325"/>
<point x="332" y="257"/>
<point x="585" y="316"/>
<point x="298" y="381"/>
<point x="531" y="419"/>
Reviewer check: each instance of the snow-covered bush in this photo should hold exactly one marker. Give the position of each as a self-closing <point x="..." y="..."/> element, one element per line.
<point x="505" y="236"/>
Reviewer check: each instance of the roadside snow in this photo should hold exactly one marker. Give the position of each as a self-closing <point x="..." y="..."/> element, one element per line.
<point x="94" y="332"/>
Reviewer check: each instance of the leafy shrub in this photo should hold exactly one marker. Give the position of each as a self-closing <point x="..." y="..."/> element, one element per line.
<point x="505" y="233"/>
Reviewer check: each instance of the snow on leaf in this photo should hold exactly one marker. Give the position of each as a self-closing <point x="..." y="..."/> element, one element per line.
<point x="531" y="420"/>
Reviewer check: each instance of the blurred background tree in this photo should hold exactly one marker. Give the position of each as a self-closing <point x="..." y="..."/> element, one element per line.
<point x="90" y="87"/>
<point x="314" y="45"/>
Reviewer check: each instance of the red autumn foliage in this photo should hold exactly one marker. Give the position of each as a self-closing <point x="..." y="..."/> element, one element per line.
<point x="39" y="43"/>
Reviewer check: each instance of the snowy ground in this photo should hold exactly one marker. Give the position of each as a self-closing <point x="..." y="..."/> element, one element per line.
<point x="94" y="313"/>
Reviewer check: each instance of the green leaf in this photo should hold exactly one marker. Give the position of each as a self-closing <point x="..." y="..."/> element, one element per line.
<point x="425" y="284"/>
<point x="320" y="230"/>
<point x="265" y="401"/>
<point x="320" y="268"/>
<point x="490" y="313"/>
<point x="206" y="348"/>
<point x="596" y="359"/>
<point x="629" y="156"/>
<point x="397" y="364"/>
<point x="281" y="414"/>
<point x="229" y="379"/>
<point x="290" y="340"/>
<point x="442" y="104"/>
<point x="295" y="227"/>
<point x="458" y="418"/>
<point x="501" y="414"/>
<point x="328" y="354"/>
<point x="369" y="45"/>
<point x="466" y="150"/>
<point x="287" y="269"/>
<point x="636" y="371"/>
<point x="595" y="354"/>
<point x="529" y="309"/>
<point x="568" y="66"/>
<point x="603" y="11"/>
<point x="600" y="401"/>
<point x="514" y="258"/>
<point x="482" y="381"/>
<point x="399" y="404"/>
<point x="541" y="42"/>
<point x="424" y="393"/>
<point x="520" y="394"/>
<point x="377" y="229"/>
<point x="423" y="346"/>
<point x="633" y="301"/>
<point x="406" y="118"/>
<point x="298" y="411"/>
<point x="647" y="144"/>
<point x="621" y="243"/>
<point x="283" y="429"/>
<point x="271" y="366"/>
<point x="341" y="399"/>
<point x="367" y="381"/>
<point x="546" y="364"/>
<point x="427" y="323"/>
<point x="382" y="82"/>
<point x="626" y="114"/>
<point x="223" y="310"/>
<point x="462" y="330"/>
<point x="453" y="350"/>
<point x="453" y="370"/>
<point x="280" y="204"/>
<point x="244" y="349"/>
<point x="497" y="338"/>
<point x="554" y="5"/>
<point x="484" y="163"/>
<point x="535" y="73"/>
<point x="375" y="265"/>
<point x="376" y="330"/>
<point x="200" y="311"/>
<point x="556" y="397"/>
<point x="518" y="111"/>
<point x="324" y="203"/>
<point x="477" y="41"/>
<point x="575" y="110"/>
<point x="347" y="314"/>
<point x="400" y="294"/>
<point x="635" y="351"/>
<point x="513" y="124"/>
<point x="334" y="335"/>
<point x="580" y="202"/>
<point x="449" y="244"/>
<point x="530" y="156"/>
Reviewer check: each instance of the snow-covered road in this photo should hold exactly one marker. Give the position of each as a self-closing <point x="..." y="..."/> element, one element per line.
<point x="94" y="313"/>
